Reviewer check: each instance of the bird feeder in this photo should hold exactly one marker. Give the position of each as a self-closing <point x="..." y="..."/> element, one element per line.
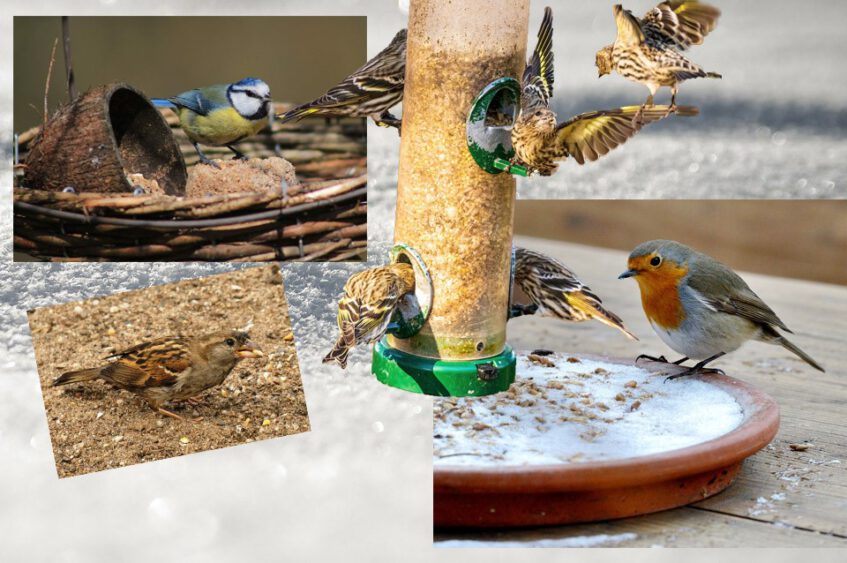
<point x="95" y="141"/>
<point x="489" y="127"/>
<point x="455" y="215"/>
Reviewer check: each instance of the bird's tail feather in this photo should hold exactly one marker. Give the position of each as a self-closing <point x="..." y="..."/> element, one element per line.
<point x="163" y="103"/>
<point x="338" y="353"/>
<point x="298" y="113"/>
<point x="713" y="75"/>
<point x="593" y="309"/>
<point x="77" y="376"/>
<point x="788" y="345"/>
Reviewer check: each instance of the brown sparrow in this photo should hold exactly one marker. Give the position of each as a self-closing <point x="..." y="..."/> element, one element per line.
<point x="171" y="369"/>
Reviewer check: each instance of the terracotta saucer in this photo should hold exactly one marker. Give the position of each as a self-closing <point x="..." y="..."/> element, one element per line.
<point x="540" y="495"/>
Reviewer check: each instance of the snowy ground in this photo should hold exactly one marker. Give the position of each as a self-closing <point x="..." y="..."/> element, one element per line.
<point x="569" y="410"/>
<point x="358" y="486"/>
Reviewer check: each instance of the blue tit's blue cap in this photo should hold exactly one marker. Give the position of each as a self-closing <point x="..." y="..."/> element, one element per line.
<point x="249" y="81"/>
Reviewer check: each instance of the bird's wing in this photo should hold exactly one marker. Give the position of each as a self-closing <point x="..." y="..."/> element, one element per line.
<point x="590" y="135"/>
<point x="537" y="80"/>
<point x="149" y="364"/>
<point x="383" y="75"/>
<point x="365" y="320"/>
<point x="133" y="374"/>
<point x="202" y="100"/>
<point x="629" y="28"/>
<point x="680" y="23"/>
<point x="723" y="290"/>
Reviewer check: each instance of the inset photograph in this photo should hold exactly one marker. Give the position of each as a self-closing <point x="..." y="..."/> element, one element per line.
<point x="169" y="370"/>
<point x="182" y="148"/>
<point x="679" y="382"/>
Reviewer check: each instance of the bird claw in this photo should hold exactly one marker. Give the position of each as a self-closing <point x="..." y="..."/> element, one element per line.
<point x="695" y="371"/>
<point x="213" y="164"/>
<point x="661" y="359"/>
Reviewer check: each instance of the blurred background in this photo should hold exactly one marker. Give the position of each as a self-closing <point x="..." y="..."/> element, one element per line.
<point x="299" y="57"/>
<point x="797" y="239"/>
<point x="772" y="128"/>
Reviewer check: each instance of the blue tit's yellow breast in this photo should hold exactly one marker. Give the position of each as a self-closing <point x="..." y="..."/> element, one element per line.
<point x="220" y="127"/>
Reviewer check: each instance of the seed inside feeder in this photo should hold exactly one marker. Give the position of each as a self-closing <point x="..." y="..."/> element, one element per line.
<point x="457" y="216"/>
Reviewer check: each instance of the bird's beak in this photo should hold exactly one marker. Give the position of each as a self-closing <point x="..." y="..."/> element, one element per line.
<point x="249" y="350"/>
<point x="628" y="274"/>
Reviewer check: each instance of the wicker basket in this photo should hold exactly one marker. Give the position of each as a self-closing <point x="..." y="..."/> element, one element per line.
<point x="324" y="217"/>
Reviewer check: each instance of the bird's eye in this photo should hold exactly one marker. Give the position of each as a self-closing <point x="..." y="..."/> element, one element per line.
<point x="656" y="260"/>
<point x="538" y="113"/>
<point x="230" y="341"/>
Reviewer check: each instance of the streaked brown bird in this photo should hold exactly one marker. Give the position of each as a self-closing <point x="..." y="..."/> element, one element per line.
<point x="364" y="312"/>
<point x="369" y="92"/>
<point x="557" y="292"/>
<point x="540" y="141"/>
<point x="171" y="369"/>
<point x="647" y="50"/>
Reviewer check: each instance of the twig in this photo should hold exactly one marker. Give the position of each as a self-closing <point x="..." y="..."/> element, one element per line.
<point x="49" y="74"/>
<point x="69" y="70"/>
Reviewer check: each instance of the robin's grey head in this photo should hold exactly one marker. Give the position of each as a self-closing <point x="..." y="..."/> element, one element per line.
<point x="603" y="60"/>
<point x="657" y="256"/>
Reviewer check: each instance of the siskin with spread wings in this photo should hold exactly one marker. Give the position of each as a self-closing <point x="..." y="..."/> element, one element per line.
<point x="540" y="141"/>
<point x="555" y="291"/>
<point x="364" y="312"/>
<point x="647" y="50"/>
<point x="171" y="369"/>
<point x="371" y="91"/>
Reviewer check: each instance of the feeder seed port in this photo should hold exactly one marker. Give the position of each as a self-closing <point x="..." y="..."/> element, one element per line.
<point x="489" y="127"/>
<point x="413" y="312"/>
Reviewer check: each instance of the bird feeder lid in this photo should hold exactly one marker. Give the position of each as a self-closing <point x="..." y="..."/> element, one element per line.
<point x="489" y="126"/>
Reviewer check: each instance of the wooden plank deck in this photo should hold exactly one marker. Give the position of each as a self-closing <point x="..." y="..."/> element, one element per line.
<point x="782" y="497"/>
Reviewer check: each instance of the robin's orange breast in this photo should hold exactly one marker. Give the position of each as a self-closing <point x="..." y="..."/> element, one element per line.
<point x="660" y="296"/>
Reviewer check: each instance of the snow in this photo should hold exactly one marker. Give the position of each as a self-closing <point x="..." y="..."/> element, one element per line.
<point x="580" y="410"/>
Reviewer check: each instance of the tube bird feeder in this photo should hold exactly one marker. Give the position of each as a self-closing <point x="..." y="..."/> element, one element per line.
<point x="453" y="214"/>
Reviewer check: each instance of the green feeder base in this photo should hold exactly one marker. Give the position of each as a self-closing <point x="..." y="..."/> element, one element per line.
<point x="443" y="378"/>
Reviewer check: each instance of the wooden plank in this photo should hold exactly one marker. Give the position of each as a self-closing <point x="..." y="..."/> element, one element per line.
<point x="683" y="527"/>
<point x="755" y="240"/>
<point x="780" y="488"/>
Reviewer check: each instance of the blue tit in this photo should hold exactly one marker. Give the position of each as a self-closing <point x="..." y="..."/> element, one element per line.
<point x="221" y="115"/>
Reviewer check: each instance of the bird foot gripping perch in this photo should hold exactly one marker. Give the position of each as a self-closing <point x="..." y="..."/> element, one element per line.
<point x="432" y="376"/>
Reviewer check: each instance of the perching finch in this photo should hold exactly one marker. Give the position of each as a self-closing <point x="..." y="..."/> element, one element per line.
<point x="557" y="292"/>
<point x="364" y="312"/>
<point x="171" y="369"/>
<point x="369" y="92"/>
<point x="699" y="307"/>
<point x="540" y="141"/>
<point x="647" y="50"/>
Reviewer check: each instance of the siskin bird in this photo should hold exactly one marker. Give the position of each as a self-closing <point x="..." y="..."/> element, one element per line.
<point x="647" y="50"/>
<point x="221" y="115"/>
<point x="540" y="141"/>
<point x="556" y="291"/>
<point x="699" y="307"/>
<point x="370" y="91"/>
<point x="364" y="312"/>
<point x="171" y="369"/>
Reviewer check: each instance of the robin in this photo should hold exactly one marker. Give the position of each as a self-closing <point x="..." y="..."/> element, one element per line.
<point x="699" y="307"/>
